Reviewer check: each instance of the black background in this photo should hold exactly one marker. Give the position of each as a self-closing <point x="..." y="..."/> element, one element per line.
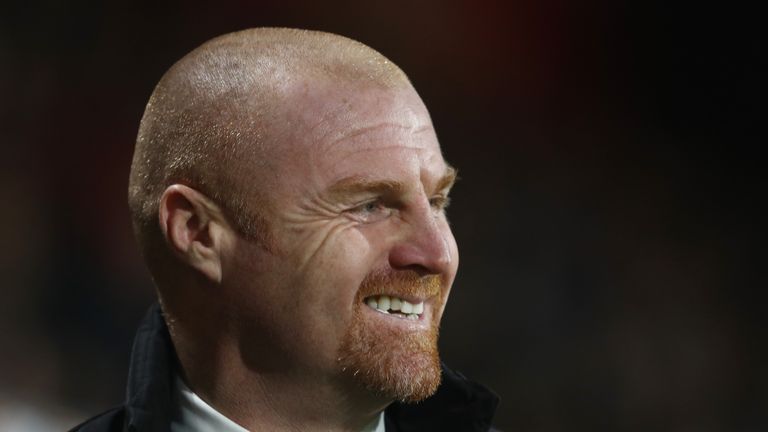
<point x="608" y="214"/>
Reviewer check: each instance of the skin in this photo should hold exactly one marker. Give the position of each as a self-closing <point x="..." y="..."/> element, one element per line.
<point x="356" y="188"/>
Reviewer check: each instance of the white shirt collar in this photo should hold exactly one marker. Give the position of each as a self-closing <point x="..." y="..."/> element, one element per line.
<point x="377" y="425"/>
<point x="195" y="415"/>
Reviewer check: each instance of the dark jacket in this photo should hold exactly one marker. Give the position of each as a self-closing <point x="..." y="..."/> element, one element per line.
<point x="458" y="405"/>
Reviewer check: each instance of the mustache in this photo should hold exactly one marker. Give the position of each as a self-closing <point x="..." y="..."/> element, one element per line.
<point x="403" y="282"/>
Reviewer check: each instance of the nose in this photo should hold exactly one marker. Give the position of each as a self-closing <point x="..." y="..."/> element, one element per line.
<point x="425" y="245"/>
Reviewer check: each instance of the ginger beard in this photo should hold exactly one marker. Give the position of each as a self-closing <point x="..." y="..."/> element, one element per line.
<point x="390" y="361"/>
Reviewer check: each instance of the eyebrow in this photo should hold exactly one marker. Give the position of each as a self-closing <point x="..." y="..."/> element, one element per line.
<point x="448" y="179"/>
<point x="359" y="184"/>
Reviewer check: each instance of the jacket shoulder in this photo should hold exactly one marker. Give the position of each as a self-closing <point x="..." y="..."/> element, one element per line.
<point x="108" y="421"/>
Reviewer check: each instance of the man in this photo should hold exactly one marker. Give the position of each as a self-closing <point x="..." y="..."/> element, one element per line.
<point x="288" y="193"/>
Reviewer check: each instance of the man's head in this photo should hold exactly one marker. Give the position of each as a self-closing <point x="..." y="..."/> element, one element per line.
<point x="287" y="185"/>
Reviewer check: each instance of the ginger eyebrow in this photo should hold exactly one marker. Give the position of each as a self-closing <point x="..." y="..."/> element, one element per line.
<point x="448" y="179"/>
<point x="353" y="185"/>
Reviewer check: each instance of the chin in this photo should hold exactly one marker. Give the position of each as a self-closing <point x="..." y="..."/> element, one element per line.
<point x="391" y="364"/>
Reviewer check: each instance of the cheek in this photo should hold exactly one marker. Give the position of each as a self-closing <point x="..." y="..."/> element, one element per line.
<point x="325" y="290"/>
<point x="329" y="278"/>
<point x="302" y="302"/>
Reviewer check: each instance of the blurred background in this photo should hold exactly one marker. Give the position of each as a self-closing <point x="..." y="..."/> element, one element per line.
<point x="612" y="268"/>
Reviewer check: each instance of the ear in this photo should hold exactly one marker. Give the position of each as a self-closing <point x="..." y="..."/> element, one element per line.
<point x="195" y="229"/>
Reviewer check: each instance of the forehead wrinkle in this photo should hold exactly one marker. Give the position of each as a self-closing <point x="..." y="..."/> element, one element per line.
<point x="341" y="137"/>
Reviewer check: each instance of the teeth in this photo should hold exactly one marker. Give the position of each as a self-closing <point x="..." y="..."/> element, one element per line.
<point x="372" y="303"/>
<point x="384" y="303"/>
<point x="395" y="304"/>
<point x="406" y="308"/>
<point x="418" y="308"/>
<point x="387" y="304"/>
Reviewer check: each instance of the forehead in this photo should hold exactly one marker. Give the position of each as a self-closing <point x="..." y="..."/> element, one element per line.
<point x="356" y="130"/>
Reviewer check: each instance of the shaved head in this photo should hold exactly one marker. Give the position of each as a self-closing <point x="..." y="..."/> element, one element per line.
<point x="282" y="180"/>
<point x="289" y="194"/>
<point x="214" y="117"/>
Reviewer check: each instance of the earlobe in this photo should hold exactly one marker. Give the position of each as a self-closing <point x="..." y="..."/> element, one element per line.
<point x="190" y="223"/>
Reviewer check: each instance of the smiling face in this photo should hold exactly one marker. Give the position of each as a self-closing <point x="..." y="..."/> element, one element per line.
<point x="363" y="259"/>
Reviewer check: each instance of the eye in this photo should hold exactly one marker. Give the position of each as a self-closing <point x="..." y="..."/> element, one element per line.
<point x="370" y="211"/>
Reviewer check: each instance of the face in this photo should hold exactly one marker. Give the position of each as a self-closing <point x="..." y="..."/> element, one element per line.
<point x="363" y="260"/>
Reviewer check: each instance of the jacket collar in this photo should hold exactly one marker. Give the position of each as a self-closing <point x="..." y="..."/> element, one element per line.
<point x="150" y="376"/>
<point x="459" y="404"/>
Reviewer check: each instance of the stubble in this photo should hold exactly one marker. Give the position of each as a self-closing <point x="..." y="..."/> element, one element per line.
<point x="390" y="361"/>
